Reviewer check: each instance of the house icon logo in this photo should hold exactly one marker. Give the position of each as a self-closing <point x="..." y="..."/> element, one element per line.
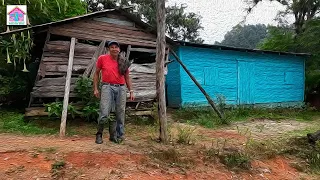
<point x="16" y="15"/>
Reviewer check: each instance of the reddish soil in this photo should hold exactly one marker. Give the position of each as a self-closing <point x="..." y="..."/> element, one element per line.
<point x="32" y="158"/>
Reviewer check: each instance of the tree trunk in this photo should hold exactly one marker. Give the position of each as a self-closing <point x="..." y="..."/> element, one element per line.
<point x="160" y="57"/>
<point x="67" y="90"/>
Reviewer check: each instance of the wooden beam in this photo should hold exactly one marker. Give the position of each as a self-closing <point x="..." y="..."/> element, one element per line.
<point x="199" y="86"/>
<point x="95" y="57"/>
<point x="128" y="52"/>
<point x="160" y="57"/>
<point x="67" y="89"/>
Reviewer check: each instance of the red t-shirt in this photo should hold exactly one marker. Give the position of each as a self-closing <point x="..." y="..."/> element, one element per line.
<point x="109" y="68"/>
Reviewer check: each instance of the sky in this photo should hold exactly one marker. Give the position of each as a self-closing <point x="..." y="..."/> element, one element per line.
<point x="219" y="16"/>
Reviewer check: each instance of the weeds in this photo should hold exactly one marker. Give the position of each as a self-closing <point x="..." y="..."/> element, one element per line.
<point x="56" y="169"/>
<point x="185" y="135"/>
<point x="172" y="157"/>
<point x="236" y="160"/>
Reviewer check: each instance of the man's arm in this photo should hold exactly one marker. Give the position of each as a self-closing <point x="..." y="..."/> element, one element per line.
<point x="95" y="82"/>
<point x="128" y="81"/>
<point x="129" y="85"/>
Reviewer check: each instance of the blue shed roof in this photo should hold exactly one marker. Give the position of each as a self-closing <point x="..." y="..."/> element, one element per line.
<point x="212" y="46"/>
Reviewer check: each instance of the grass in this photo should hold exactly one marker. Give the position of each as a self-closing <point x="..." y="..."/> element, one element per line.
<point x="236" y="160"/>
<point x="185" y="135"/>
<point x="206" y="117"/>
<point x="13" y="122"/>
<point x="172" y="157"/>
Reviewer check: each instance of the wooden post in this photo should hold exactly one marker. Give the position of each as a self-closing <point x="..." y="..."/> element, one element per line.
<point x="67" y="89"/>
<point x="128" y="52"/>
<point x="199" y="86"/>
<point x="160" y="57"/>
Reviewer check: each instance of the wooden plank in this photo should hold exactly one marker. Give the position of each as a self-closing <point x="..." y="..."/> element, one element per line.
<point x="99" y="37"/>
<point x="128" y="52"/>
<point x="105" y="34"/>
<point x="35" y="111"/>
<point x="67" y="90"/>
<point x="63" y="46"/>
<point x="58" y="88"/>
<point x="65" y="55"/>
<point x="111" y="31"/>
<point x="160" y="58"/>
<point x="104" y="24"/>
<point x="114" y="21"/>
<point x="64" y="61"/>
<point x="51" y="94"/>
<point x="64" y="68"/>
<point x="95" y="57"/>
<point x="54" y="81"/>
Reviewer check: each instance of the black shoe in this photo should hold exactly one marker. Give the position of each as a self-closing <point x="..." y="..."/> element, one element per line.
<point x="99" y="138"/>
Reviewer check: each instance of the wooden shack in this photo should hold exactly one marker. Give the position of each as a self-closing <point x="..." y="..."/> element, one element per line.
<point x="92" y="32"/>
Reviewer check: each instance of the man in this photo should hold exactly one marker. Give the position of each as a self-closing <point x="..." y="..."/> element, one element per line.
<point x="115" y="74"/>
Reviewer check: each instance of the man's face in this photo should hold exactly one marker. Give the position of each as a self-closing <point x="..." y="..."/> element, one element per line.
<point x="114" y="49"/>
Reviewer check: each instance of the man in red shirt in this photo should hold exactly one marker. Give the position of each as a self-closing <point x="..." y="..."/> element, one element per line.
<point x="113" y="92"/>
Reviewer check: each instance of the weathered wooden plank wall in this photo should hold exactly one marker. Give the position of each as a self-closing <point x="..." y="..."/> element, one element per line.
<point x="109" y="28"/>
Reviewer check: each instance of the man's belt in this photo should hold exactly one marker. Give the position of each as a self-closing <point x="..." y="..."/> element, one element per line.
<point x="117" y="85"/>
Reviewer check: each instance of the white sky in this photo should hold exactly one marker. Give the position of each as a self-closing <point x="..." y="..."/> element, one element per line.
<point x="219" y="16"/>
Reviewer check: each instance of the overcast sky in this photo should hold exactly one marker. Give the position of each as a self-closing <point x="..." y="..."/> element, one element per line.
<point x="219" y="16"/>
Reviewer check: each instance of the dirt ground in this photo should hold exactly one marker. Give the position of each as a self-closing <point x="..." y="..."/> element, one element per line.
<point x="78" y="157"/>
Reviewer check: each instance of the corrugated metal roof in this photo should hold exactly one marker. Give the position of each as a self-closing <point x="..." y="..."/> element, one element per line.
<point x="212" y="46"/>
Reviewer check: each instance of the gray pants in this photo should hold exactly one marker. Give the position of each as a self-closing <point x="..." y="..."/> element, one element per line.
<point x="113" y="99"/>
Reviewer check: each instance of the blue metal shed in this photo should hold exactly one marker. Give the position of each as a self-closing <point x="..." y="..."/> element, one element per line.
<point x="241" y="76"/>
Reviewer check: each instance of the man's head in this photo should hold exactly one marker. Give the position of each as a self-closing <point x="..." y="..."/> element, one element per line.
<point x="114" y="48"/>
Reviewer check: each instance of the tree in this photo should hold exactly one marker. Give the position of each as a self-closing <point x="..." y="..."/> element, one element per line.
<point x="285" y="39"/>
<point x="303" y="11"/>
<point x="15" y="49"/>
<point x="179" y="24"/>
<point x="247" y="36"/>
<point x="44" y="11"/>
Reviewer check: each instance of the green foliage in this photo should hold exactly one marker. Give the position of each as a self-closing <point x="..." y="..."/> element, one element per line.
<point x="180" y="25"/>
<point x="236" y="160"/>
<point x="185" y="135"/>
<point x="84" y="91"/>
<point x="55" y="109"/>
<point x="247" y="36"/>
<point x="44" y="11"/>
<point x="11" y="85"/>
<point x="13" y="122"/>
<point x="89" y="108"/>
<point x="283" y="39"/>
<point x="279" y="39"/>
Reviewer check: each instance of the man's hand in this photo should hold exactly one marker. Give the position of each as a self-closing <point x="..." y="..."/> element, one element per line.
<point x="131" y="96"/>
<point x="96" y="93"/>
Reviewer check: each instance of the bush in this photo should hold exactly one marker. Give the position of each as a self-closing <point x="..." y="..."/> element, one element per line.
<point x="89" y="108"/>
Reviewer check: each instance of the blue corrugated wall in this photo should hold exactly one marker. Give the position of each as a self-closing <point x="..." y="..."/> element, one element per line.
<point x="173" y="83"/>
<point x="240" y="77"/>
